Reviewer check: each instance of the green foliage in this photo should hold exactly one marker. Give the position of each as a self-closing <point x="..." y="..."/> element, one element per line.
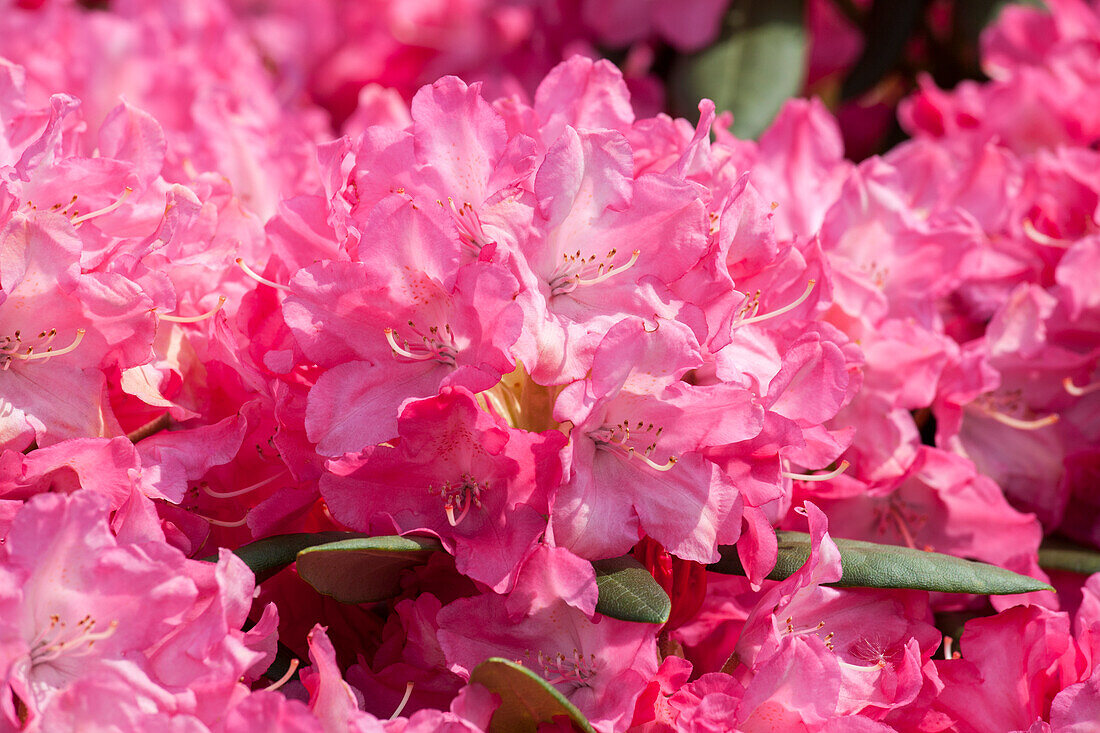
<point x="758" y="63"/>
<point x="870" y="565"/>
<point x="1061" y="554"/>
<point x="268" y="556"/>
<point x="363" y="569"/>
<point x="525" y="699"/>
<point x="629" y="593"/>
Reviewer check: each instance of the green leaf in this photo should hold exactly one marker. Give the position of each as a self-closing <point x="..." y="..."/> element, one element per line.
<point x="364" y="569"/>
<point x="1061" y="554"/>
<point x="629" y="593"/>
<point x="888" y="29"/>
<point x="525" y="698"/>
<point x="870" y="565"/>
<point x="268" y="556"/>
<point x="757" y="64"/>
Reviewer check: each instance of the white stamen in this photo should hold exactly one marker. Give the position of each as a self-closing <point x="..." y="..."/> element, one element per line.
<point x="1039" y="238"/>
<point x="285" y="678"/>
<point x="405" y="352"/>
<point x="817" y="476"/>
<point x="1020" y="424"/>
<point x="259" y="278"/>
<point x="611" y="271"/>
<point x="649" y="461"/>
<point x="789" y="307"/>
<point x="48" y="353"/>
<point x="219" y="523"/>
<point x="1076" y="391"/>
<point x="195" y="319"/>
<point x="404" y="701"/>
<point x="240" y="492"/>
<point x="77" y="221"/>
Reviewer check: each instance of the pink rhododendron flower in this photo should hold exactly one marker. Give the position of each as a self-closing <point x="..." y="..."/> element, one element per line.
<point x="72" y="593"/>
<point x="480" y="486"/>
<point x="600" y="664"/>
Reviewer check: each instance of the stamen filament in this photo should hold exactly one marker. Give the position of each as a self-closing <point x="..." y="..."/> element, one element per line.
<point x="1039" y="238"/>
<point x="1076" y="391"/>
<point x="405" y="352"/>
<point x="259" y="278"/>
<point x="817" y="476"/>
<point x="291" y="669"/>
<point x="649" y="461"/>
<point x="105" y="210"/>
<point x="404" y="701"/>
<point x="219" y="523"/>
<point x="903" y="528"/>
<point x="50" y="351"/>
<point x="195" y="319"/>
<point x="611" y="271"/>
<point x="449" y="508"/>
<point x="789" y="307"/>
<point x="1020" y="424"/>
<point x="245" y="490"/>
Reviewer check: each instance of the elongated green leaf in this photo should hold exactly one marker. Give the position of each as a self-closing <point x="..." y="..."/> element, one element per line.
<point x="268" y="556"/>
<point x="629" y="593"/>
<point x="525" y="698"/>
<point x="870" y="565"/>
<point x="1060" y="554"/>
<point x="364" y="569"/>
<point x="757" y="64"/>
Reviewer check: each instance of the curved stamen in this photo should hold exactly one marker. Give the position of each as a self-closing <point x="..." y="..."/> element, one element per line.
<point x="292" y="668"/>
<point x="48" y="645"/>
<point x="817" y="476"/>
<point x="195" y="319"/>
<point x="787" y="308"/>
<point x="77" y="221"/>
<point x="650" y="462"/>
<point x="611" y="271"/>
<point x="219" y="523"/>
<point x="404" y="701"/>
<point x="903" y="527"/>
<point x="1021" y="424"/>
<point x="240" y="492"/>
<point x="449" y="508"/>
<point x="49" y="352"/>
<point x="1045" y="239"/>
<point x="1076" y="391"/>
<point x="259" y="278"/>
<point x="405" y="352"/>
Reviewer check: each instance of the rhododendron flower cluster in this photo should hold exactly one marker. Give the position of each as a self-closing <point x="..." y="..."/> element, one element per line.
<point x="515" y="340"/>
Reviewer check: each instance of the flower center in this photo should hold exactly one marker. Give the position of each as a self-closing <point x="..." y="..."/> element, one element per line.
<point x="58" y="639"/>
<point x="461" y="495"/>
<point x="576" y="270"/>
<point x="558" y="669"/>
<point x="619" y="437"/>
<point x="905" y="520"/>
<point x="435" y="343"/>
<point x="466" y="220"/>
<point x="522" y="402"/>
